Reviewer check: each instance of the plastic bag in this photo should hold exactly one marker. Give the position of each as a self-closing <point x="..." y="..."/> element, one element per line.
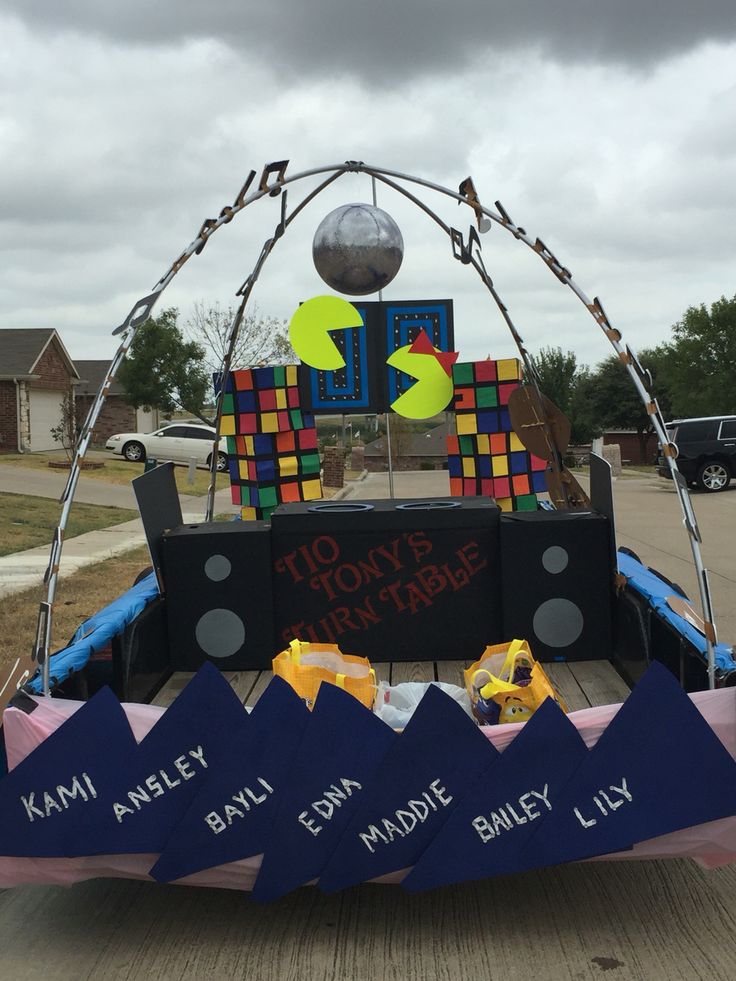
<point x="305" y="666"/>
<point x="396" y="705"/>
<point x="506" y="684"/>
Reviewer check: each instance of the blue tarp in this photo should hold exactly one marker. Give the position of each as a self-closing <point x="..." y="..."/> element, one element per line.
<point x="656" y="591"/>
<point x="97" y="632"/>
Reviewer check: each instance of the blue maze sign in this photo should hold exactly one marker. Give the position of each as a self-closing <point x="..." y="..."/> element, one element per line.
<point x="366" y="383"/>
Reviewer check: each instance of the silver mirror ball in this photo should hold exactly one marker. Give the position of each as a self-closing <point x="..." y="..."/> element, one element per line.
<point x="357" y="249"/>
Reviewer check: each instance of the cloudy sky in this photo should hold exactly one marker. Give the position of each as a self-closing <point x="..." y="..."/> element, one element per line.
<point x="607" y="129"/>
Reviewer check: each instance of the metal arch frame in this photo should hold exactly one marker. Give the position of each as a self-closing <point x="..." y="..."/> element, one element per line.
<point x="273" y="188"/>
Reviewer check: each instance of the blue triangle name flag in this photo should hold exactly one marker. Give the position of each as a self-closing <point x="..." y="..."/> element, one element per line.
<point x="486" y="832"/>
<point x="343" y="746"/>
<point x="422" y="778"/>
<point x="151" y="793"/>
<point x="657" y="768"/>
<point x="44" y="800"/>
<point x="232" y="815"/>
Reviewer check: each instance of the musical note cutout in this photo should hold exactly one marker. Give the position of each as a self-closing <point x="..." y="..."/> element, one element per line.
<point x="467" y="189"/>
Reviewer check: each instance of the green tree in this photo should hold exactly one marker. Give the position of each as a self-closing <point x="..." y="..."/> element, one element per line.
<point x="701" y="364"/>
<point x="558" y="371"/>
<point x="560" y="378"/>
<point x="607" y="398"/>
<point x="164" y="371"/>
<point x="261" y="340"/>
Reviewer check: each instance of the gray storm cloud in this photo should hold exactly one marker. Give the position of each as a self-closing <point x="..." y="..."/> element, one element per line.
<point x="387" y="40"/>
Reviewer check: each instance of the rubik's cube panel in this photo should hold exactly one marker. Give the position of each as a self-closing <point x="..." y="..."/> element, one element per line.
<point x="269" y="466"/>
<point x="487" y="457"/>
<point x="481" y="395"/>
<point x="263" y="401"/>
<point x="260" y="495"/>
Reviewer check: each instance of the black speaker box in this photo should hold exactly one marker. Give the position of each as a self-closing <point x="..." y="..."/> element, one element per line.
<point x="391" y="580"/>
<point x="557" y="583"/>
<point x="219" y="597"/>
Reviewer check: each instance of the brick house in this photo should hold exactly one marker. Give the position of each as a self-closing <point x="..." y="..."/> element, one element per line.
<point x="117" y="415"/>
<point x="35" y="374"/>
<point x="635" y="447"/>
<point x="410" y="451"/>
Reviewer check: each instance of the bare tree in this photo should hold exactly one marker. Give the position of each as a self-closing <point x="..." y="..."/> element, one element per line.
<point x="261" y="340"/>
<point x="65" y="431"/>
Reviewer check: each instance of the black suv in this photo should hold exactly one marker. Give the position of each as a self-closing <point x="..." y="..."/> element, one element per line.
<point x="707" y="451"/>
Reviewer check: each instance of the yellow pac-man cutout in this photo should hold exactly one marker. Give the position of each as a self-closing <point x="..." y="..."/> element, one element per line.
<point x="432" y="390"/>
<point x="310" y="326"/>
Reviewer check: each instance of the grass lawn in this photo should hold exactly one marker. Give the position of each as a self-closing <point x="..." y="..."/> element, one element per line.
<point x="78" y="596"/>
<point x="115" y="470"/>
<point x="29" y="521"/>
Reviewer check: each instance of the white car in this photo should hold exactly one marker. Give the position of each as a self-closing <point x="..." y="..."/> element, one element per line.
<point x="177" y="443"/>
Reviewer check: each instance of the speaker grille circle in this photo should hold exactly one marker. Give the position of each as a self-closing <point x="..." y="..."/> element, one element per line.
<point x="217" y="568"/>
<point x="558" y="622"/>
<point x="220" y="633"/>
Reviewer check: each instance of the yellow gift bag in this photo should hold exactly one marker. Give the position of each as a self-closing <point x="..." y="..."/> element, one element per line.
<point x="305" y="666"/>
<point x="507" y="685"/>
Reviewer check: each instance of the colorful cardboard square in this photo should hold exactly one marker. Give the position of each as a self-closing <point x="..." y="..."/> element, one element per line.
<point x="508" y="368"/>
<point x="227" y="425"/>
<point x="493" y="822"/>
<point x="74" y="770"/>
<point x="486" y="397"/>
<point x="466" y="424"/>
<point x="487" y="421"/>
<point x="657" y="768"/>
<point x="464" y="398"/>
<point x="231" y="816"/>
<point x="342" y="746"/>
<point x="244" y="402"/>
<point x="485" y="371"/>
<point x="266" y="400"/>
<point x="539" y="483"/>
<point x="421" y="780"/>
<point x="501" y="487"/>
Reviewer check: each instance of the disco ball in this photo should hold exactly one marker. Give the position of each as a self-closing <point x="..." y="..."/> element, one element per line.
<point x="357" y="249"/>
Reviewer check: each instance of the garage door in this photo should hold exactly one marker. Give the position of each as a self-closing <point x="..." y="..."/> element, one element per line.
<point x="45" y="415"/>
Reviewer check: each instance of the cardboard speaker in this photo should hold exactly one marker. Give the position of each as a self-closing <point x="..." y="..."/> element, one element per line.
<point x="219" y="598"/>
<point x="557" y="584"/>
<point x="394" y="580"/>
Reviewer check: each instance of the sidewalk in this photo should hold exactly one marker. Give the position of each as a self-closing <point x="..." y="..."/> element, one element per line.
<point x="23" y="570"/>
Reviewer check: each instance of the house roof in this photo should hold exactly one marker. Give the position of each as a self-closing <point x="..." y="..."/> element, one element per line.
<point x="433" y="443"/>
<point x="22" y="347"/>
<point x="92" y="374"/>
